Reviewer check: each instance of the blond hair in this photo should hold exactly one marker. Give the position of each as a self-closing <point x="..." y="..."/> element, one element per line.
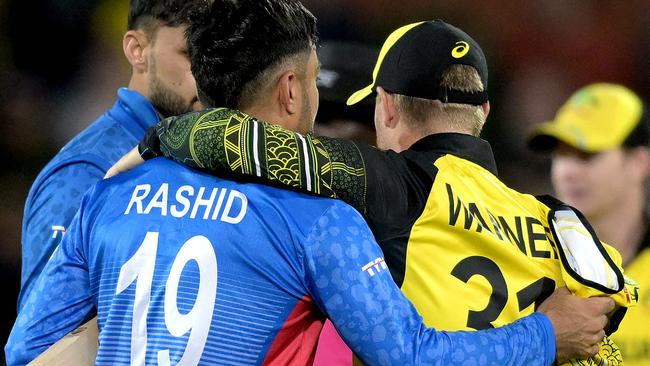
<point x="451" y="116"/>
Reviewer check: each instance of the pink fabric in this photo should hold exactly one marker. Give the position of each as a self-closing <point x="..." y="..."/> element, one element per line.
<point x="295" y="343"/>
<point x="331" y="350"/>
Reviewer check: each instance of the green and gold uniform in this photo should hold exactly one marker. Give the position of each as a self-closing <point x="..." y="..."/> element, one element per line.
<point x="468" y="251"/>
<point x="633" y="334"/>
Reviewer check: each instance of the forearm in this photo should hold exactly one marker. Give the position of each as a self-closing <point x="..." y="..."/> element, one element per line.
<point x="529" y="341"/>
<point x="397" y="334"/>
<point x="59" y="302"/>
<point x="223" y="140"/>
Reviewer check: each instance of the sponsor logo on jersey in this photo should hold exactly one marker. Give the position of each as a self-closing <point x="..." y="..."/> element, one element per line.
<point x="56" y="229"/>
<point x="375" y="266"/>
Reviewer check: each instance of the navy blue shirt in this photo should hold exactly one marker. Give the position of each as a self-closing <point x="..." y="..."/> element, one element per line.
<point x="56" y="194"/>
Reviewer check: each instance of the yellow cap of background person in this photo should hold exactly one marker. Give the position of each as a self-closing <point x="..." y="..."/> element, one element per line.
<point x="414" y="58"/>
<point x="596" y="118"/>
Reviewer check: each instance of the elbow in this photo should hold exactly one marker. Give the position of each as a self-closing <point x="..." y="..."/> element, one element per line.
<point x="13" y="354"/>
<point x="18" y="352"/>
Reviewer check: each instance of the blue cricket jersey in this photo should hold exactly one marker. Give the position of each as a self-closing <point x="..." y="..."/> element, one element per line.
<point x="56" y="193"/>
<point x="185" y="268"/>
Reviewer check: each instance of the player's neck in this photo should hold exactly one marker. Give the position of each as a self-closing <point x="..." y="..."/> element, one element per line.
<point x="623" y="226"/>
<point x="447" y="126"/>
<point x="406" y="140"/>
<point x="268" y="111"/>
<point x="138" y="83"/>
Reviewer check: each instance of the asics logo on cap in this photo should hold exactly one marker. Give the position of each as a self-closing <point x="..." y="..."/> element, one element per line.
<point x="460" y="50"/>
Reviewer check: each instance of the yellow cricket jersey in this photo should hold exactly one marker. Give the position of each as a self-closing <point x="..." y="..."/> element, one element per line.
<point x="469" y="252"/>
<point x="493" y="248"/>
<point x="479" y="255"/>
<point x="633" y="335"/>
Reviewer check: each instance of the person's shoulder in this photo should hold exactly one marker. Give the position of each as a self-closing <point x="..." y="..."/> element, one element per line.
<point x="81" y="160"/>
<point x="342" y="212"/>
<point x="642" y="257"/>
<point x="330" y="214"/>
<point x="164" y="172"/>
<point x="159" y="168"/>
<point x="291" y="198"/>
<point x="101" y="138"/>
<point x="639" y="270"/>
<point x="301" y="210"/>
<point x="153" y="173"/>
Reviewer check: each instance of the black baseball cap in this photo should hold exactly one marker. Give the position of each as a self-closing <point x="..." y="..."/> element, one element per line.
<point x="414" y="57"/>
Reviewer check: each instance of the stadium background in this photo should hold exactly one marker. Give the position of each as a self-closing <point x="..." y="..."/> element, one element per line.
<point x="61" y="62"/>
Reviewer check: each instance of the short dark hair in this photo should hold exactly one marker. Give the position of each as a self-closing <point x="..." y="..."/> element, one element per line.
<point x="151" y="14"/>
<point x="238" y="41"/>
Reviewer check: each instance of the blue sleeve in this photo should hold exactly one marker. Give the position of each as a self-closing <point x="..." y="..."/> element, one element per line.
<point x="349" y="281"/>
<point x="59" y="302"/>
<point x="49" y="210"/>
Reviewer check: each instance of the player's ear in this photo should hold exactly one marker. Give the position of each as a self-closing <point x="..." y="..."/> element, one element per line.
<point x="289" y="95"/>
<point x="135" y="44"/>
<point x="486" y="108"/>
<point x="389" y="116"/>
<point x="641" y="166"/>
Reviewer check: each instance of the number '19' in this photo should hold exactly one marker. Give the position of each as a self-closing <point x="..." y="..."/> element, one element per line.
<point x="140" y="268"/>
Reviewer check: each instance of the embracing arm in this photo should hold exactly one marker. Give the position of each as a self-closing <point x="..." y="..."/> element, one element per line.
<point x="228" y="141"/>
<point x="225" y="140"/>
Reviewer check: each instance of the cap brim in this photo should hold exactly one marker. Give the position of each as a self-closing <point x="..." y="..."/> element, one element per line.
<point x="542" y="143"/>
<point x="546" y="137"/>
<point x="359" y="95"/>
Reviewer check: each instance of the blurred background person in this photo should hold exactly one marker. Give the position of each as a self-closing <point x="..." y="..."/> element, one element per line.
<point x="600" y="162"/>
<point x="345" y="68"/>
